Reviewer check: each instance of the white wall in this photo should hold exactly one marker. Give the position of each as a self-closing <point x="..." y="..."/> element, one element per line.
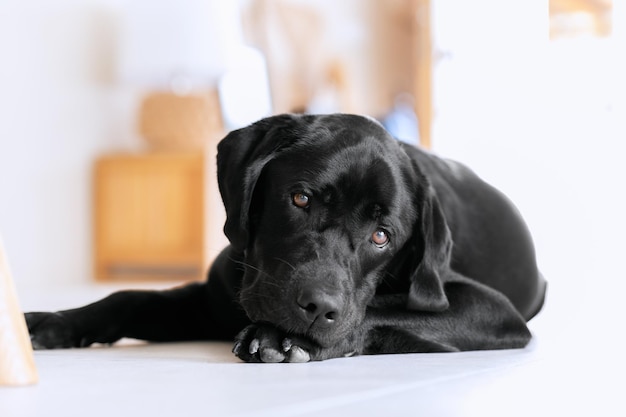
<point x="58" y="110"/>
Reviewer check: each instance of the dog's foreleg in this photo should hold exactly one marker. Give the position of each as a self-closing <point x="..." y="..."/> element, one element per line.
<point x="182" y="313"/>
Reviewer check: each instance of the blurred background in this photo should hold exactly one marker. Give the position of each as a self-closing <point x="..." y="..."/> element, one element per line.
<point x="110" y="112"/>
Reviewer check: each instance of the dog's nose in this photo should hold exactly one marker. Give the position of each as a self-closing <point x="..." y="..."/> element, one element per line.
<point x="318" y="306"/>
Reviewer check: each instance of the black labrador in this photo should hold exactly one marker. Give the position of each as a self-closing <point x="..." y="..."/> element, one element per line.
<point x="343" y="241"/>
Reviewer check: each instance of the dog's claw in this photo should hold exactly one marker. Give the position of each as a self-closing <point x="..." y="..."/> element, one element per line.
<point x="254" y="346"/>
<point x="286" y="345"/>
<point x="269" y="355"/>
<point x="295" y="354"/>
<point x="298" y="355"/>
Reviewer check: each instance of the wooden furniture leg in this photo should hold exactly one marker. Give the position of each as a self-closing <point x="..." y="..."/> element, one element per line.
<point x="17" y="365"/>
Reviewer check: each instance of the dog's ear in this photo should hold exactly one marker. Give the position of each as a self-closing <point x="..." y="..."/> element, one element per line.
<point x="433" y="237"/>
<point x="241" y="157"/>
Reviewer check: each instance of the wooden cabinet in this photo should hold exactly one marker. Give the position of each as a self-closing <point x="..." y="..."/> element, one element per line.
<point x="150" y="214"/>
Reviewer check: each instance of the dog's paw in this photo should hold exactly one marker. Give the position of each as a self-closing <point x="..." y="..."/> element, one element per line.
<point x="265" y="343"/>
<point x="50" y="331"/>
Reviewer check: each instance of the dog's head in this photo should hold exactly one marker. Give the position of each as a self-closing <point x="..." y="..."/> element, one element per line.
<point x="319" y="207"/>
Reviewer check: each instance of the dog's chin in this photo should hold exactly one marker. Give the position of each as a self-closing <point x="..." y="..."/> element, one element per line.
<point x="322" y="337"/>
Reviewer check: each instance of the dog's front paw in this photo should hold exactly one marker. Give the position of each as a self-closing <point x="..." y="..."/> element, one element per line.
<point x="50" y="331"/>
<point x="265" y="343"/>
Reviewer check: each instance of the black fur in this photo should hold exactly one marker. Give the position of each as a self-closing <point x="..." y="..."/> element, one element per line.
<point x="310" y="282"/>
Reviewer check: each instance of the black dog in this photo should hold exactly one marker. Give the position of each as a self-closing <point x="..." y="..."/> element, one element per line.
<point x="343" y="242"/>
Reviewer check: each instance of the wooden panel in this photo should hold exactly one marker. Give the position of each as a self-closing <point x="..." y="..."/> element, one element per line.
<point x="423" y="65"/>
<point x="570" y="18"/>
<point x="17" y="365"/>
<point x="149" y="216"/>
<point x="175" y="122"/>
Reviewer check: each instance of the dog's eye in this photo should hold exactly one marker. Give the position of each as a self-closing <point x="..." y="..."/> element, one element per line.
<point x="300" y="200"/>
<point x="380" y="238"/>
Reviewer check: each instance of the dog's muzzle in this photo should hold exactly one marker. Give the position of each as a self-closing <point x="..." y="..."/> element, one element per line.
<point x="311" y="300"/>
